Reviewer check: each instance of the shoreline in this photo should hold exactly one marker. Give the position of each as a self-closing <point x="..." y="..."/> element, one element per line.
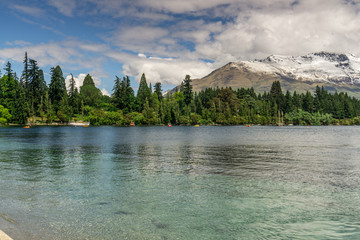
<point x="4" y="236"/>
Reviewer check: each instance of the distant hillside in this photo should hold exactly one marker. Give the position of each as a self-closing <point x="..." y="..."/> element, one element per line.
<point x="336" y="72"/>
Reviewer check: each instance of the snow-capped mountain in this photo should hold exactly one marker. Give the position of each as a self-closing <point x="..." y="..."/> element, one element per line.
<point x="339" y="72"/>
<point x="317" y="67"/>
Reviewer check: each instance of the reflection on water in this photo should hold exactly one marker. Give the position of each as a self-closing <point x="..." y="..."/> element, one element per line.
<point x="180" y="182"/>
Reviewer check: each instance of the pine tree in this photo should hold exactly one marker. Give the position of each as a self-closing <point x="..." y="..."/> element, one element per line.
<point x="187" y="89"/>
<point x="90" y="94"/>
<point x="72" y="86"/>
<point x="8" y="85"/>
<point x="57" y="87"/>
<point x="21" y="108"/>
<point x="158" y="91"/>
<point x="37" y="85"/>
<point x="116" y="96"/>
<point x="73" y="94"/>
<point x="123" y="94"/>
<point x="275" y="90"/>
<point x="143" y="92"/>
<point x="24" y="79"/>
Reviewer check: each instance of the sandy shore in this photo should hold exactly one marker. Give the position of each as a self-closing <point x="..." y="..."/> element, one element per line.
<point x="3" y="236"/>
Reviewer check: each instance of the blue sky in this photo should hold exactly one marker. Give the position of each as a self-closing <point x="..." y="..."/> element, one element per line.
<point x="167" y="39"/>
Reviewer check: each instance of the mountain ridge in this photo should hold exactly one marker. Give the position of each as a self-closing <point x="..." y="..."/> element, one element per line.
<point x="333" y="71"/>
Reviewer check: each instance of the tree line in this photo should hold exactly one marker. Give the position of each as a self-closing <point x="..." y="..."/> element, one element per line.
<point x="30" y="100"/>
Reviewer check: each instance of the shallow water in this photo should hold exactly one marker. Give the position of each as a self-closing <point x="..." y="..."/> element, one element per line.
<point x="180" y="183"/>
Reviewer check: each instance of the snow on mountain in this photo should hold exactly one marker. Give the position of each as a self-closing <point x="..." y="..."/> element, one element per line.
<point x="315" y="67"/>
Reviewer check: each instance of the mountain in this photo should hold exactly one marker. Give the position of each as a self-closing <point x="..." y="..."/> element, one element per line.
<point x="336" y="72"/>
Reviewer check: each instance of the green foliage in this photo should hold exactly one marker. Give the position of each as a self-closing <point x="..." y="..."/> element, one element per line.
<point x="158" y="91"/>
<point x="123" y="95"/>
<point x="99" y="117"/>
<point x="275" y="90"/>
<point x="300" y="117"/>
<point x="31" y="98"/>
<point x="144" y="91"/>
<point x="37" y="85"/>
<point x="134" y="117"/>
<point x="57" y="88"/>
<point x="187" y="89"/>
<point x="90" y="95"/>
<point x="5" y="116"/>
<point x="21" y="106"/>
<point x="74" y="96"/>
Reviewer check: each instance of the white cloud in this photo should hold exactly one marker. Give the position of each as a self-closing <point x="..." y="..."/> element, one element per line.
<point x="105" y="92"/>
<point x="71" y="54"/>
<point x="168" y="71"/>
<point x="169" y="38"/>
<point x="20" y="43"/>
<point x="138" y="38"/>
<point x="65" y="7"/>
<point x="33" y="11"/>
<point x="79" y="80"/>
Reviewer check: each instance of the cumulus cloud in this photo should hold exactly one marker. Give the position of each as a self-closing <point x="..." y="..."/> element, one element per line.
<point x="139" y="38"/>
<point x="79" y="80"/>
<point x="167" y="39"/>
<point x="166" y="70"/>
<point x="105" y="92"/>
<point x="256" y="29"/>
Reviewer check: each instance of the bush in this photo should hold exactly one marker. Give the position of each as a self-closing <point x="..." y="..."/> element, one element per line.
<point x="100" y="117"/>
<point x="300" y="117"/>
<point x="5" y="116"/>
<point x="195" y="118"/>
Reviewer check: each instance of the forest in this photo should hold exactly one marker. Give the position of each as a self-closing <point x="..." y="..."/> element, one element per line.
<point x="30" y="100"/>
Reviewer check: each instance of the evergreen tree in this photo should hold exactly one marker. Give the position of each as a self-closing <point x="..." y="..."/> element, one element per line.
<point x="74" y="99"/>
<point x="187" y="90"/>
<point x="57" y="87"/>
<point x="37" y="85"/>
<point x="21" y="108"/>
<point x="275" y="90"/>
<point x="123" y="94"/>
<point x="24" y="79"/>
<point x="158" y="91"/>
<point x="72" y="86"/>
<point x="116" y="96"/>
<point x="144" y="91"/>
<point x="90" y="94"/>
<point x="8" y="84"/>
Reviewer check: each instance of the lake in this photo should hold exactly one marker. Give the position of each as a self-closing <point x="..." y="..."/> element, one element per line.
<point x="180" y="183"/>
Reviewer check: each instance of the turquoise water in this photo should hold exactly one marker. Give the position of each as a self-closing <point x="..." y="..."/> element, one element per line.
<point x="180" y="183"/>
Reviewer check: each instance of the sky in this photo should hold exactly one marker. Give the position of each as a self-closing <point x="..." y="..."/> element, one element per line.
<point x="167" y="39"/>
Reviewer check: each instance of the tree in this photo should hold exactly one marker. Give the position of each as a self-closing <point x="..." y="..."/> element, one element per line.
<point x="90" y="94"/>
<point x="123" y="94"/>
<point x="21" y="108"/>
<point x="57" y="87"/>
<point x="144" y="91"/>
<point x="24" y="79"/>
<point x="158" y="91"/>
<point x="116" y="96"/>
<point x="5" y="116"/>
<point x="37" y="85"/>
<point x="74" y="98"/>
<point x="275" y="90"/>
<point x="187" y="89"/>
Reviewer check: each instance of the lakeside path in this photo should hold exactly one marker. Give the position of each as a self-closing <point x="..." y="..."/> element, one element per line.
<point x="3" y="236"/>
